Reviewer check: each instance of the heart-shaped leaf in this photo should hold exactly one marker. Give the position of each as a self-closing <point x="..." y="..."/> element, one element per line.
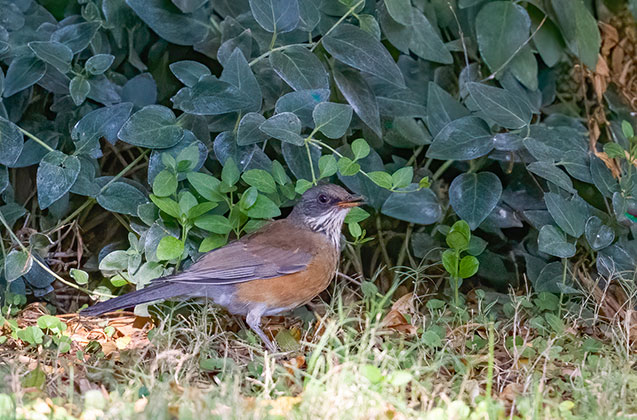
<point x="56" y="175"/>
<point x="553" y="242"/>
<point x="598" y="235"/>
<point x="474" y="196"/>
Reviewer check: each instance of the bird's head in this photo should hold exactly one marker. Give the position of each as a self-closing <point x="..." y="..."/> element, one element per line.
<point x="323" y="208"/>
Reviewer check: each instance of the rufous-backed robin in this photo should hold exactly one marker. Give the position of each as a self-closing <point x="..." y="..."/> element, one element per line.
<point x="283" y="265"/>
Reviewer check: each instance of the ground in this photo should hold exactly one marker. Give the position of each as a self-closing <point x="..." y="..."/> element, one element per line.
<point x="351" y="354"/>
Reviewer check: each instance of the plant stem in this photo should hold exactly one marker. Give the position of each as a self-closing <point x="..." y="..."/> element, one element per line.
<point x="281" y="48"/>
<point x="338" y="22"/>
<point x="491" y="360"/>
<point x="37" y="140"/>
<point x="441" y="170"/>
<point x="383" y="246"/>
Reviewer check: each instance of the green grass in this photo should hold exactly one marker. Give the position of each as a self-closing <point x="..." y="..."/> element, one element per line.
<point x="566" y="361"/>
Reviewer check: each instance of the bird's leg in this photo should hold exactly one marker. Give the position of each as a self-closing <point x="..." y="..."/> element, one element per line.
<point x="254" y="321"/>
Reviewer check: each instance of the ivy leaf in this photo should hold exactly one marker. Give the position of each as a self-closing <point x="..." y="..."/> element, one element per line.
<point x="473" y="196"/>
<point x="189" y="72"/>
<point x="276" y="15"/>
<point x="22" y="73"/>
<point x="300" y="69"/>
<point x="570" y="215"/>
<point x="153" y="126"/>
<point x="355" y="47"/>
<point x="120" y="197"/>
<point x="76" y="36"/>
<point x="79" y="88"/>
<point x="553" y="242"/>
<point x="501" y="29"/>
<point x="168" y="21"/>
<point x="11" y="142"/>
<point x="56" y="175"/>
<point x="332" y="119"/>
<point x="500" y="105"/>
<point x="248" y="131"/>
<point x="420" y="206"/>
<point x="54" y="53"/>
<point x="580" y="30"/>
<point x="284" y="126"/>
<point x="360" y="96"/>
<point x="99" y="63"/>
<point x="598" y="235"/>
<point x="17" y="264"/>
<point x="463" y="139"/>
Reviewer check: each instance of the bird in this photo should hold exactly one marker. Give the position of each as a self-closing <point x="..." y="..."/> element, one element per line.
<point x="279" y="267"/>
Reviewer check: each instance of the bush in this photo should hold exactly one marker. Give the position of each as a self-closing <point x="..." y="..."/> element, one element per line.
<point x="232" y="109"/>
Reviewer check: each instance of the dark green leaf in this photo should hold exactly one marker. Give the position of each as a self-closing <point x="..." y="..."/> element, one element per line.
<point x="502" y="28"/>
<point x="248" y="131"/>
<point x="99" y="63"/>
<point x="553" y="242"/>
<point x="169" y="23"/>
<point x="357" y="48"/>
<point x="309" y="15"/>
<point x="500" y="105"/>
<point x="473" y="196"/>
<point x="442" y="108"/>
<point x="598" y="235"/>
<point x="426" y="42"/>
<point x="102" y="122"/>
<point x="332" y="119"/>
<point x="579" y="28"/>
<point x="121" y="197"/>
<point x="211" y="96"/>
<point x="79" y="89"/>
<point x="237" y="72"/>
<point x="302" y="104"/>
<point x="153" y="126"/>
<point x="76" y="36"/>
<point x="400" y="11"/>
<point x="16" y="264"/>
<point x="420" y="207"/>
<point x="54" y="53"/>
<point x="570" y="215"/>
<point x="23" y="72"/>
<point x="300" y="69"/>
<point x="11" y="142"/>
<point x="603" y="178"/>
<point x="463" y="139"/>
<point x="552" y="173"/>
<point x="284" y="126"/>
<point x="360" y="96"/>
<point x="189" y="72"/>
<point x="297" y="160"/>
<point x="276" y="15"/>
<point x="56" y="175"/>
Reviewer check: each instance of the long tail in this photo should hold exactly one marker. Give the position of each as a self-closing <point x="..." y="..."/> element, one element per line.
<point x="149" y="294"/>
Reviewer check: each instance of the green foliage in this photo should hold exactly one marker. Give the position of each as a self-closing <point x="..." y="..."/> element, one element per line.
<point x="232" y="110"/>
<point x="459" y="267"/>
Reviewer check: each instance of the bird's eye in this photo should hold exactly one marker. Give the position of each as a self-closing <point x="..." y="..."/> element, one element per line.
<point x="323" y="199"/>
